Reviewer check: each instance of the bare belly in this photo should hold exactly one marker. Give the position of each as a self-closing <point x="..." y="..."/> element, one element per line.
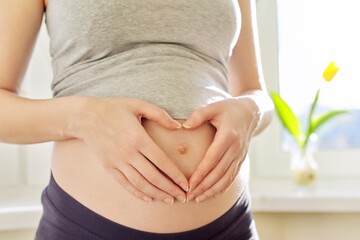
<point x="81" y="175"/>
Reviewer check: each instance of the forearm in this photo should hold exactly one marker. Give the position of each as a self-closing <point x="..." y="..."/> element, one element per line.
<point x="246" y="78"/>
<point x="27" y="121"/>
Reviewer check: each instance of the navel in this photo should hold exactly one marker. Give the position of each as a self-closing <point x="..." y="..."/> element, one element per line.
<point x="183" y="148"/>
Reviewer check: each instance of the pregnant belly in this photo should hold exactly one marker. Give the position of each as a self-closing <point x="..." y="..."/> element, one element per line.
<point x="184" y="147"/>
<point x="81" y="175"/>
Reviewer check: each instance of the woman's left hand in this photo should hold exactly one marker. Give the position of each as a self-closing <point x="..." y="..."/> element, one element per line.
<point x="235" y="120"/>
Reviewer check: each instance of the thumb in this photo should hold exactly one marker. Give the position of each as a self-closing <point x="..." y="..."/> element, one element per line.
<point x="157" y="114"/>
<point x="200" y="116"/>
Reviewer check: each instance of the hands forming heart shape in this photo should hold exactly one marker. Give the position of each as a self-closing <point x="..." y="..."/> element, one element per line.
<point x="144" y="169"/>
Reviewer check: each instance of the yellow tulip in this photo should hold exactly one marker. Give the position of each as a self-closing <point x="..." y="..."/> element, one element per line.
<point x="330" y="71"/>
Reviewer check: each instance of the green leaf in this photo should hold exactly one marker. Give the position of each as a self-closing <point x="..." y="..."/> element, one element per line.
<point x="287" y="117"/>
<point x="318" y="121"/>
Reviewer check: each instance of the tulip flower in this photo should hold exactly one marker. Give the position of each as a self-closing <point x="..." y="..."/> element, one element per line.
<point x="330" y="71"/>
<point x="292" y="123"/>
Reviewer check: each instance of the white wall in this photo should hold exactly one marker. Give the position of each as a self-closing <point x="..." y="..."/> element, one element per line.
<point x="309" y="226"/>
<point x="18" y="235"/>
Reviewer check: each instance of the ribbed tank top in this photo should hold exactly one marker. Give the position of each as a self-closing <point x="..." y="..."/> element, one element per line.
<point x="171" y="53"/>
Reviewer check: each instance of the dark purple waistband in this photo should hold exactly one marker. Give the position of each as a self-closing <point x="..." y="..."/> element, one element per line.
<point x="102" y="227"/>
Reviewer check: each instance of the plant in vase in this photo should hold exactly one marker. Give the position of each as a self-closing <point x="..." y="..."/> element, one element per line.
<point x="303" y="166"/>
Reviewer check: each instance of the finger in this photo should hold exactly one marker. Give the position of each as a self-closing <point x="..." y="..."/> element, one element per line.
<point x="237" y="170"/>
<point x="221" y="185"/>
<point x="222" y="142"/>
<point x="157" y="114"/>
<point x="152" y="175"/>
<point x="124" y="182"/>
<point x="155" y="155"/>
<point x="200" y="116"/>
<point x="140" y="183"/>
<point x="218" y="172"/>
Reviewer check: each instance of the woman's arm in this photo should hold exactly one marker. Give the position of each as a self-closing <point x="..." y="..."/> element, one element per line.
<point x="111" y="127"/>
<point x="237" y="119"/>
<point x="245" y="69"/>
<point x="25" y="121"/>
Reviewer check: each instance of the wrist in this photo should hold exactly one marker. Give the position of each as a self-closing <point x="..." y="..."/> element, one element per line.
<point x="259" y="104"/>
<point x="81" y="116"/>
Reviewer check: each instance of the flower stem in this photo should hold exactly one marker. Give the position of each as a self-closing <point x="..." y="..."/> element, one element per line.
<point x="310" y="120"/>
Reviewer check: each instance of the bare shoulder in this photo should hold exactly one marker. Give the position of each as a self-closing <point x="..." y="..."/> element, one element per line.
<point x="20" y="21"/>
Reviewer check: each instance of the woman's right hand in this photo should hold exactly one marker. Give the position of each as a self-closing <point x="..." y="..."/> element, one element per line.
<point x="114" y="133"/>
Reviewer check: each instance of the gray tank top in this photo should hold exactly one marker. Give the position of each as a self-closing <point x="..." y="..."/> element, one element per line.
<point x="171" y="53"/>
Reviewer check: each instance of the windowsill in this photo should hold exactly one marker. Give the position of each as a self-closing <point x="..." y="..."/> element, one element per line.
<point x="20" y="207"/>
<point x="326" y="196"/>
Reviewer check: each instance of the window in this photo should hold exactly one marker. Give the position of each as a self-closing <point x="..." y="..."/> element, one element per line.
<point x="298" y="39"/>
<point x="311" y="34"/>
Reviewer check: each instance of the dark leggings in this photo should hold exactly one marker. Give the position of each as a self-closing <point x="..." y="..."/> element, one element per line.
<point x="64" y="218"/>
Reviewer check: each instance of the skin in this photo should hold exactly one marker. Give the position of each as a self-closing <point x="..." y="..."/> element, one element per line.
<point x="236" y="120"/>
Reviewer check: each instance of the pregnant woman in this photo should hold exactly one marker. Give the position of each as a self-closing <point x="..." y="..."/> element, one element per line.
<point x="155" y="104"/>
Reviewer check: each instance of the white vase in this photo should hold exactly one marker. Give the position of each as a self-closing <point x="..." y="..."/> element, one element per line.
<point x="303" y="167"/>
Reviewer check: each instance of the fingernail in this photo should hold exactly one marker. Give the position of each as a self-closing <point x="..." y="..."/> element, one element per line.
<point x="199" y="199"/>
<point x="191" y="187"/>
<point x="178" y="125"/>
<point x="169" y="201"/>
<point x="181" y="199"/>
<point x="186" y="125"/>
<point x="146" y="199"/>
<point x="185" y="187"/>
<point x="190" y="197"/>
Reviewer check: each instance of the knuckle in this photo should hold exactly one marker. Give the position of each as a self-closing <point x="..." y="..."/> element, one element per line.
<point x="160" y="113"/>
<point x="215" y="176"/>
<point x="154" y="180"/>
<point x="233" y="134"/>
